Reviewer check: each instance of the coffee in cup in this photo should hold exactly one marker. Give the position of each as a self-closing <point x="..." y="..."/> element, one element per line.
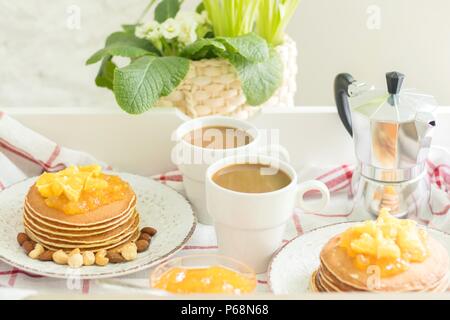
<point x="218" y="137"/>
<point x="251" y="178"/>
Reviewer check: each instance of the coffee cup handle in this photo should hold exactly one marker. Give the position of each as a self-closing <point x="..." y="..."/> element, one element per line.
<point x="311" y="185"/>
<point x="281" y="152"/>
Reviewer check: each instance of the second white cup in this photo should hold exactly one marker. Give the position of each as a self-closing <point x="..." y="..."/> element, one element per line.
<point x="250" y="226"/>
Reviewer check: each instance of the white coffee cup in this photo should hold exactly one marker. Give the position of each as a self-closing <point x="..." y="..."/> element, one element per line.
<point x="193" y="161"/>
<point x="250" y="226"/>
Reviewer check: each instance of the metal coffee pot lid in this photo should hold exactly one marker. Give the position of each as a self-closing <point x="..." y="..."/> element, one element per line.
<point x="394" y="105"/>
<point x="392" y="129"/>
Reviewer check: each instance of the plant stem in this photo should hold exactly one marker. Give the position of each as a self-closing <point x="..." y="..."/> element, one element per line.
<point x="232" y="18"/>
<point x="273" y="18"/>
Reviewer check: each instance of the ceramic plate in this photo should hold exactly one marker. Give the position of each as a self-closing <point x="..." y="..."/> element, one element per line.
<point x="158" y="205"/>
<point x="291" y="267"/>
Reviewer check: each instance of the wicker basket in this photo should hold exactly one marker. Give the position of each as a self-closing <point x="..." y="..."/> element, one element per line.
<point x="212" y="87"/>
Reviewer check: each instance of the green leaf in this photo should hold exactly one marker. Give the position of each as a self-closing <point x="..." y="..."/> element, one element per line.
<point x="123" y="44"/>
<point x="139" y="85"/>
<point x="251" y="46"/>
<point x="129" y="28"/>
<point x="203" y="48"/>
<point x="259" y="80"/>
<point x="166" y="9"/>
<point x="200" y="8"/>
<point x="105" y="76"/>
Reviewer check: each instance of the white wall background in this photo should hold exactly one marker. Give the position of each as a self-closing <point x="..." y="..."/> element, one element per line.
<point x="42" y="60"/>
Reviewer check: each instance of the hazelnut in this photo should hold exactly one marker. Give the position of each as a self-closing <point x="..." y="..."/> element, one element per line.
<point x="60" y="257"/>
<point x="149" y="230"/>
<point x="75" y="260"/>
<point x="129" y="251"/>
<point x="88" y="258"/>
<point x="36" y="252"/>
<point x="142" y="245"/>
<point x="100" y="258"/>
<point x="22" y="237"/>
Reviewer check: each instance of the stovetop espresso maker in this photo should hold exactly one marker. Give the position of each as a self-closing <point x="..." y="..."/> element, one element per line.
<point x="392" y="132"/>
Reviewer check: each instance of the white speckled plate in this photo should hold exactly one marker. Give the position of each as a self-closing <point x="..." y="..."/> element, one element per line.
<point x="158" y="205"/>
<point x="291" y="267"/>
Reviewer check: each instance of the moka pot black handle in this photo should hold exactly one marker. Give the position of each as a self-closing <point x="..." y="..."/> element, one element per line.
<point x="341" y="84"/>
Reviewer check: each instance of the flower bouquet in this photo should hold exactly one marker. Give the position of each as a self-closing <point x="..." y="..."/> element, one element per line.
<point x="225" y="58"/>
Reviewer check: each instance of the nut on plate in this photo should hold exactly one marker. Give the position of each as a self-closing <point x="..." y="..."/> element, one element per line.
<point x="115" y="257"/>
<point x="28" y="246"/>
<point x="88" y="258"/>
<point x="75" y="260"/>
<point x="47" y="255"/>
<point x="100" y="258"/>
<point x="129" y="251"/>
<point x="145" y="236"/>
<point x="149" y="230"/>
<point x="60" y="257"/>
<point x="37" y="251"/>
<point x="22" y="237"/>
<point x="142" y="245"/>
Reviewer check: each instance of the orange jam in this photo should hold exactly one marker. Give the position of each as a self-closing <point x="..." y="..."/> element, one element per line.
<point x="215" y="279"/>
<point x="389" y="243"/>
<point x="77" y="190"/>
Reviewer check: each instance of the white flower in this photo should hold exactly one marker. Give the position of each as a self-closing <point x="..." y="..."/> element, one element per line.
<point x="188" y="32"/>
<point x="150" y="31"/>
<point x="140" y="32"/>
<point x="170" y="29"/>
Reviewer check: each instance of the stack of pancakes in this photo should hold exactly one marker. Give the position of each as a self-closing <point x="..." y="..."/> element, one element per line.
<point x="106" y="227"/>
<point x="337" y="273"/>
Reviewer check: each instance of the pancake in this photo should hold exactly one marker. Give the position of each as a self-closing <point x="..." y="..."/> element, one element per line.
<point x="113" y="247"/>
<point x="84" y="238"/>
<point x="419" y="277"/>
<point x="68" y="245"/>
<point x="36" y="204"/>
<point x="312" y="283"/>
<point x="42" y="226"/>
<point x="318" y="283"/>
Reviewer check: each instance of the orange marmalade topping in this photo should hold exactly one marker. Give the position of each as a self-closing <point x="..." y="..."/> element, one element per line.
<point x="389" y="243"/>
<point x="77" y="190"/>
<point x="215" y="279"/>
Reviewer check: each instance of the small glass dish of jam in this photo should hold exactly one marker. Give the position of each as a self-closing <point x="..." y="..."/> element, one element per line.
<point x="204" y="274"/>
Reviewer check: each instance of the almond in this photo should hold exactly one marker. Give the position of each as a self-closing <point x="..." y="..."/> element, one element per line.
<point x="22" y="237"/>
<point x="142" y="245"/>
<point x="149" y="230"/>
<point x="46" y="256"/>
<point x="28" y="246"/>
<point x="145" y="236"/>
<point x="115" y="257"/>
